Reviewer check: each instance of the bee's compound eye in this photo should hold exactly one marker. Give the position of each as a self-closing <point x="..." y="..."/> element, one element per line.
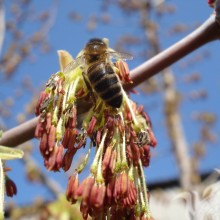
<point x="96" y="41"/>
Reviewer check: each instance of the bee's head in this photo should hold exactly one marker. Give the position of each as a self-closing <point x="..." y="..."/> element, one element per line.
<point x="95" y="47"/>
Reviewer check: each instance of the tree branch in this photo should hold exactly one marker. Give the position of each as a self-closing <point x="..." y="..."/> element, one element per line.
<point x="208" y="31"/>
<point x="19" y="134"/>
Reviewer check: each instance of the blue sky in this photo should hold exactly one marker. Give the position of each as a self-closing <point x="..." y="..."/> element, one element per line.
<point x="71" y="36"/>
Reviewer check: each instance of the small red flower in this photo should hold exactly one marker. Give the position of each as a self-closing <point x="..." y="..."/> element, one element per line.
<point x="68" y="157"/>
<point x="39" y="129"/>
<point x="69" y="138"/>
<point x="106" y="160"/>
<point x="10" y="187"/>
<point x="97" y="196"/>
<point x="72" y="186"/>
<point x="55" y="161"/>
<point x="51" y="138"/>
<point x="121" y="187"/>
<point x="44" y="147"/>
<point x="131" y="199"/>
<point x="72" y="119"/>
<point x="91" y="126"/>
<point x="48" y="121"/>
<point x="43" y="97"/>
<point x="145" y="155"/>
<point x="110" y="191"/>
<point x="124" y="73"/>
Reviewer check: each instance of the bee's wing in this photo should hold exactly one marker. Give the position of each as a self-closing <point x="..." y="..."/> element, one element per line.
<point x="120" y="56"/>
<point x="73" y="64"/>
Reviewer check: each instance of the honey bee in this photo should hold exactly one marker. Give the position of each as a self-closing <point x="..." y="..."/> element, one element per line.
<point x="99" y="71"/>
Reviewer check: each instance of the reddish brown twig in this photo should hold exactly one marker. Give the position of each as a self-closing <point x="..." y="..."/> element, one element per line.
<point x="19" y="134"/>
<point x="208" y="31"/>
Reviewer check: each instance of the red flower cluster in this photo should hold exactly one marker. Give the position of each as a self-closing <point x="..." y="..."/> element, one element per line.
<point x="122" y="138"/>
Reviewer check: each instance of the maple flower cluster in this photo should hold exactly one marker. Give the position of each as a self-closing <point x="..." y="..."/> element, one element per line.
<point x="122" y="137"/>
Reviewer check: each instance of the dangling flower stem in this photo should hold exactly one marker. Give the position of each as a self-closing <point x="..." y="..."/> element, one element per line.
<point x="131" y="172"/>
<point x="72" y="90"/>
<point x="59" y="130"/>
<point x="139" y="203"/>
<point x="99" y="176"/>
<point x="128" y="102"/>
<point x="99" y="152"/>
<point x="123" y="149"/>
<point x="83" y="164"/>
<point x="144" y="187"/>
<point x="108" y="215"/>
<point x="118" y="150"/>
<point x="56" y="110"/>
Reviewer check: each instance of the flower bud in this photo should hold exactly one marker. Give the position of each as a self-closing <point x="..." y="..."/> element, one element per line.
<point x="91" y="126"/>
<point x="97" y="196"/>
<point x="72" y="186"/>
<point x="10" y="187"/>
<point x="106" y="160"/>
<point x="51" y="138"/>
<point x="44" y="147"/>
<point x="67" y="158"/>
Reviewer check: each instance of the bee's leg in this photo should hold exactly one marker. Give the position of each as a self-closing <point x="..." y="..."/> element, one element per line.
<point x="91" y="93"/>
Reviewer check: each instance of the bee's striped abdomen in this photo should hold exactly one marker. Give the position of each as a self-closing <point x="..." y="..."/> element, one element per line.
<point x="106" y="83"/>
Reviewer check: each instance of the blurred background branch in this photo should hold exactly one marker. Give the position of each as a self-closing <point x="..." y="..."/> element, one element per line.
<point x="2" y="24"/>
<point x="171" y="100"/>
<point x="37" y="175"/>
